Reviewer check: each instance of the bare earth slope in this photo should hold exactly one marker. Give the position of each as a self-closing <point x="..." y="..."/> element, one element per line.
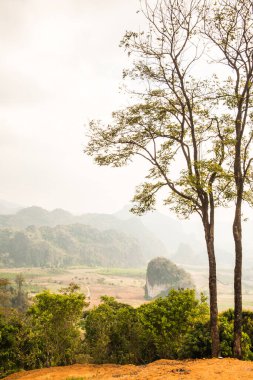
<point x="206" y="369"/>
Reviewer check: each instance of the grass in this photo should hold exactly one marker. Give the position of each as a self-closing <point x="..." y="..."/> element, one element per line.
<point x="34" y="288"/>
<point x="123" y="272"/>
<point x="8" y="276"/>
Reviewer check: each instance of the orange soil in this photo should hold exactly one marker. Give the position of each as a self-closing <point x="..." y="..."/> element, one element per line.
<point x="204" y="369"/>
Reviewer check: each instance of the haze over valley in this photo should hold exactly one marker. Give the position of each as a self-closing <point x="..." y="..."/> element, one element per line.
<point x="58" y="240"/>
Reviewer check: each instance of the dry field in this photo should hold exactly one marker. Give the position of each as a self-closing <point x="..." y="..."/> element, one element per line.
<point x="204" y="369"/>
<point x="126" y="285"/>
<point x="123" y="284"/>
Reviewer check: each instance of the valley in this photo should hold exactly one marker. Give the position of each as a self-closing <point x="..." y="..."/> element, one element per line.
<point x="125" y="284"/>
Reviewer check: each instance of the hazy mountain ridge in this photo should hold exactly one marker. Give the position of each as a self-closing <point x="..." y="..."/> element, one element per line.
<point x="156" y="234"/>
<point x="184" y="239"/>
<point x="35" y="221"/>
<point x="74" y="244"/>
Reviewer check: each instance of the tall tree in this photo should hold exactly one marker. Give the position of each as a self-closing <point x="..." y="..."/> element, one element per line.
<point x="174" y="125"/>
<point x="229" y="26"/>
<point x="20" y="298"/>
<point x="5" y="294"/>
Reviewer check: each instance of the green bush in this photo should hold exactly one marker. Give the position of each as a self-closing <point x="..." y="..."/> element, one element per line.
<point x="171" y="322"/>
<point x="227" y="330"/>
<point x="174" y="327"/>
<point x="164" y="328"/>
<point x="9" y="329"/>
<point x="113" y="333"/>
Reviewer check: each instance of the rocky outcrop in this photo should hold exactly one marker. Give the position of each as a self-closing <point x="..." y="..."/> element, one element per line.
<point x="163" y="275"/>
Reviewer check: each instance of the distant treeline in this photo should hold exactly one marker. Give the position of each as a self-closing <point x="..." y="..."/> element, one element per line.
<point x="76" y="244"/>
<point x="57" y="329"/>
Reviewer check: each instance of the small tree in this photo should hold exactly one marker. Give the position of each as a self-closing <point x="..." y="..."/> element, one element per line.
<point x="53" y="330"/>
<point x="174" y="125"/>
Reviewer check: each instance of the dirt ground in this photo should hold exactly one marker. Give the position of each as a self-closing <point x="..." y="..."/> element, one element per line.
<point x="204" y="369"/>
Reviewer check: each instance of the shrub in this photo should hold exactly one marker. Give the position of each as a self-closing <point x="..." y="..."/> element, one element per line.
<point x="113" y="333"/>
<point x="227" y="331"/>
<point x="171" y="322"/>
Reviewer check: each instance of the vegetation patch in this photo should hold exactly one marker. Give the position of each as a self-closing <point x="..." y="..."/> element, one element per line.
<point x="123" y="272"/>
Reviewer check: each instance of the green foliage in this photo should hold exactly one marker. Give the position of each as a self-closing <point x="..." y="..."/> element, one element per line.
<point x="164" y="126"/>
<point x="54" y="319"/>
<point x="113" y="333"/>
<point x="227" y="334"/>
<point x="174" y="327"/>
<point x="164" y="328"/>
<point x="47" y="334"/>
<point x="9" y="329"/>
<point x="171" y="321"/>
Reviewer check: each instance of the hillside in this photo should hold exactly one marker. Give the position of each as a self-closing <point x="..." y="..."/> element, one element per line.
<point x="156" y="234"/>
<point x="204" y="369"/>
<point x="168" y="230"/>
<point x="184" y="239"/>
<point x="148" y="244"/>
<point x="67" y="245"/>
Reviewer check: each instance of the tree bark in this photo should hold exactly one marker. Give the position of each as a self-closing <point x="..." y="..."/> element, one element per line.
<point x="237" y="232"/>
<point x="209" y="237"/>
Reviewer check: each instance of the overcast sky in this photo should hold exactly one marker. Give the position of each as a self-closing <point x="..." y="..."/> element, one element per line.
<point x="61" y="66"/>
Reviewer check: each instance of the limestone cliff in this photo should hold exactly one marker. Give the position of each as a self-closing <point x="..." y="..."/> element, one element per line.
<point x="163" y="275"/>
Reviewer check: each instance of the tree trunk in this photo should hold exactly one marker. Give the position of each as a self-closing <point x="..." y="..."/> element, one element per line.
<point x="237" y="232"/>
<point x="209" y="237"/>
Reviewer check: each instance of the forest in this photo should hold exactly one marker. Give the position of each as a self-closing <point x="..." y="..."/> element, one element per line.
<point x="61" y="246"/>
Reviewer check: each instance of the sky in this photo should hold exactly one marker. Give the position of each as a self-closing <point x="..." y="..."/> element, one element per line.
<point x="60" y="67"/>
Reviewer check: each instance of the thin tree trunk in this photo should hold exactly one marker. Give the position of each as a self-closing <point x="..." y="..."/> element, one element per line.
<point x="237" y="232"/>
<point x="209" y="237"/>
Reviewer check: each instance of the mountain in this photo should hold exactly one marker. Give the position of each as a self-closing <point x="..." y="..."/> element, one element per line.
<point x="75" y="244"/>
<point x="36" y="216"/>
<point x="157" y="234"/>
<point x="184" y="239"/>
<point x="171" y="232"/>
<point x="151" y="245"/>
<point x="148" y="243"/>
<point x="185" y="255"/>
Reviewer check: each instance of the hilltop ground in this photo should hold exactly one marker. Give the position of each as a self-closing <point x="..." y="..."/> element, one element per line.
<point x="204" y="369"/>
